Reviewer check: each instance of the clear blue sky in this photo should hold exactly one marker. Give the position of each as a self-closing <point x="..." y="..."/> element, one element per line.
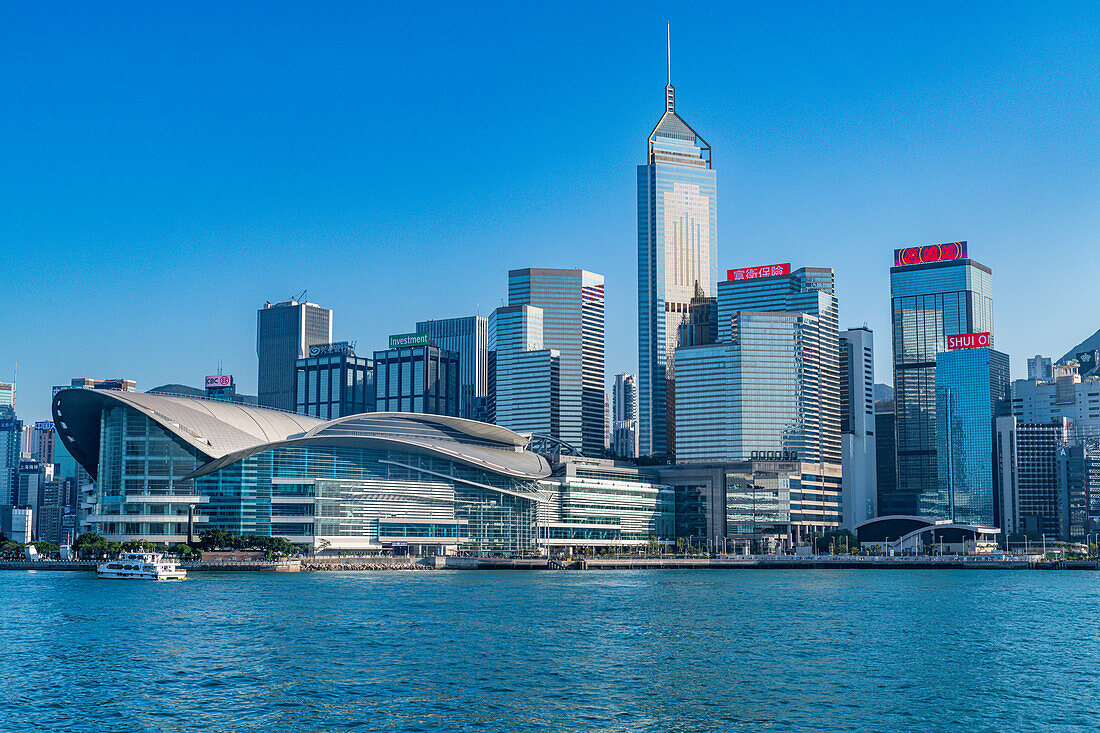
<point x="168" y="167"/>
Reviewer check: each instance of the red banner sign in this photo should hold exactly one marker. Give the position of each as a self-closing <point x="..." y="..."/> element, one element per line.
<point x="929" y="253"/>
<point x="219" y="380"/>
<point x="969" y="341"/>
<point x="751" y="273"/>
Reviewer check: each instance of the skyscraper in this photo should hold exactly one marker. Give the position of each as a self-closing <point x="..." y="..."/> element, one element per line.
<point x="624" y="421"/>
<point x="677" y="260"/>
<point x="572" y="303"/>
<point x="1040" y="367"/>
<point x="936" y="292"/>
<point x="415" y="375"/>
<point x="971" y="387"/>
<point x="284" y="333"/>
<point x="469" y="338"/>
<point x="527" y="384"/>
<point x="333" y="382"/>
<point x="857" y="426"/>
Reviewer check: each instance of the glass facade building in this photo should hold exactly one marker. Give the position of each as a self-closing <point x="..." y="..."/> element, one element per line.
<point x="677" y="261"/>
<point x="572" y="303"/>
<point x="526" y="377"/>
<point x="929" y="302"/>
<point x="284" y="333"/>
<point x="971" y="388"/>
<point x="624" y="421"/>
<point x="469" y="338"/>
<point x="334" y="384"/>
<point x="417" y="379"/>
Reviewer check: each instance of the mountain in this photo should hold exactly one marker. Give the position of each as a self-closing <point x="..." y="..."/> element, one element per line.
<point x="181" y="389"/>
<point x="1092" y="343"/>
<point x="883" y="392"/>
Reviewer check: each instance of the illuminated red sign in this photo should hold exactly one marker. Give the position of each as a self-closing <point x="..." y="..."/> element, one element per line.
<point x="929" y="253"/>
<point x="219" y="380"/>
<point x="751" y="273"/>
<point x="969" y="341"/>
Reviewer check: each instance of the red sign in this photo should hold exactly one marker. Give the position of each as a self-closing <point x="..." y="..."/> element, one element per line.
<point x="751" y="273"/>
<point x="929" y="253"/>
<point x="219" y="380"/>
<point x="969" y="341"/>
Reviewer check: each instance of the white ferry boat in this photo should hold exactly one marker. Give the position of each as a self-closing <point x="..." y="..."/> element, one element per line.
<point x="141" y="566"/>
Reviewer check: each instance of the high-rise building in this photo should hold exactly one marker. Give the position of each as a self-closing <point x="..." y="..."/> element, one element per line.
<point x="572" y="303"/>
<point x="971" y="389"/>
<point x="126" y="385"/>
<point x="857" y="426"/>
<point x="624" y="420"/>
<point x="333" y="382"/>
<point x="936" y="292"/>
<point x="284" y="333"/>
<point x="677" y="261"/>
<point x="886" y="461"/>
<point x="1040" y="367"/>
<point x="527" y="382"/>
<point x="415" y="375"/>
<point x="469" y="338"/>
<point x="11" y="433"/>
<point x="1028" y="475"/>
<point x="7" y="395"/>
<point x="1077" y="465"/>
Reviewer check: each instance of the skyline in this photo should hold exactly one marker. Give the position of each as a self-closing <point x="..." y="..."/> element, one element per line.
<point x="823" y="160"/>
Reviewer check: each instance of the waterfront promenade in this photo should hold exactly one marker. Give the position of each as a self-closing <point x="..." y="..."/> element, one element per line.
<point x="749" y="562"/>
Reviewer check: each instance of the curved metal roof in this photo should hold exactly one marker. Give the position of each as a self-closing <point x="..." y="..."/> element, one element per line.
<point x="225" y="432"/>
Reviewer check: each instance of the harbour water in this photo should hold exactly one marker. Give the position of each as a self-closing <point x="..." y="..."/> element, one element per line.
<point x="781" y="650"/>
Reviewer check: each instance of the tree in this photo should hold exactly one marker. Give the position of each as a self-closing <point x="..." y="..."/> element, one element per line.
<point x="90" y="543"/>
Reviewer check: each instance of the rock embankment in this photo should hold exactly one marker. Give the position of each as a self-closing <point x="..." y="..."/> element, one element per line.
<point x="361" y="565"/>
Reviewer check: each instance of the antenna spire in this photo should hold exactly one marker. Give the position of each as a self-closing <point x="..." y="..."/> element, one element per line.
<point x="668" y="44"/>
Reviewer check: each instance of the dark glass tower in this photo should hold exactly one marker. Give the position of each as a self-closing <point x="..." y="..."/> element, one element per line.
<point x="284" y="333"/>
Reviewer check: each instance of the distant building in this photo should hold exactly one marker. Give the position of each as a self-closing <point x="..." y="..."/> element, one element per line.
<point x="527" y="376"/>
<point x="415" y="375"/>
<point x="886" y="462"/>
<point x="17" y="523"/>
<point x="1028" y="475"/>
<point x="11" y="433"/>
<point x="7" y="396"/>
<point x="936" y="292"/>
<point x="572" y="303"/>
<point x="333" y="382"/>
<point x="1066" y="395"/>
<point x="857" y="426"/>
<point x="284" y="333"/>
<point x="1040" y="367"/>
<point x="1078" y="472"/>
<point x="624" y="420"/>
<point x="126" y="385"/>
<point x="469" y="338"/>
<point x="971" y="384"/>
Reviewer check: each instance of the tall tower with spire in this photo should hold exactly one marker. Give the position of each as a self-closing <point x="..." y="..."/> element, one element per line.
<point x="677" y="253"/>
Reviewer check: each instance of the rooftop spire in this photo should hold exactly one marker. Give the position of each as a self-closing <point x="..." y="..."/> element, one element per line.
<point x="670" y="92"/>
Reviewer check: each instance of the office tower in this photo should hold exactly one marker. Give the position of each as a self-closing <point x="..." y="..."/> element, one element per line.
<point x="971" y="388"/>
<point x="1077" y="464"/>
<point x="677" y="261"/>
<point x="415" y="375"/>
<point x="804" y="306"/>
<point x="1027" y="467"/>
<point x="935" y="292"/>
<point x="469" y="338"/>
<point x="755" y="396"/>
<point x="857" y="426"/>
<point x="11" y="432"/>
<point x="284" y="333"/>
<point x="43" y="442"/>
<point x="886" y="461"/>
<point x="1067" y="394"/>
<point x="7" y="396"/>
<point x="1040" y="367"/>
<point x="572" y="303"/>
<point x="624" y="422"/>
<point x="333" y="382"/>
<point x="606" y="423"/>
<point x="527" y="383"/>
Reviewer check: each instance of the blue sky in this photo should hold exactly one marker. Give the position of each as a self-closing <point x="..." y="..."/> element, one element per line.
<point x="168" y="167"/>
